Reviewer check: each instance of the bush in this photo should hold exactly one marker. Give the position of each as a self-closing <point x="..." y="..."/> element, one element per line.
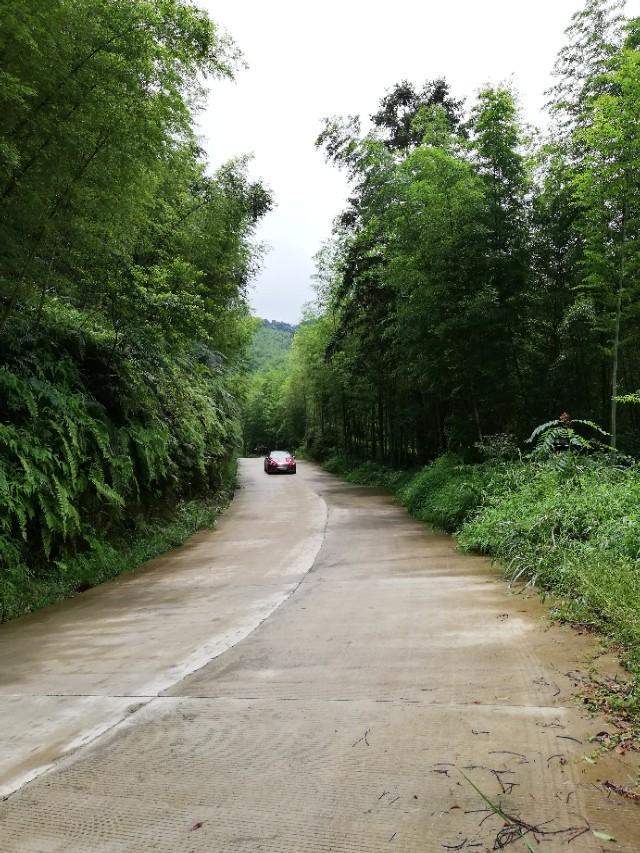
<point x="367" y="473"/>
<point x="447" y="491"/>
<point x="443" y="493"/>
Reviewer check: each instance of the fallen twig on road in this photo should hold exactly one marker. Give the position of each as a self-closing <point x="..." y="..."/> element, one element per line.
<point x="622" y="791"/>
<point x="460" y="846"/>
<point x="363" y="738"/>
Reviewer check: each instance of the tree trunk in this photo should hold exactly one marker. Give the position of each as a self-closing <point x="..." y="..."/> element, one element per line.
<point x="616" y="334"/>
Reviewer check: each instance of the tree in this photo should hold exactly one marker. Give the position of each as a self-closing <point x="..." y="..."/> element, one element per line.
<point x="98" y="113"/>
<point x="497" y="150"/>
<point x="608" y="191"/>
<point x="594" y="36"/>
<point x="402" y="105"/>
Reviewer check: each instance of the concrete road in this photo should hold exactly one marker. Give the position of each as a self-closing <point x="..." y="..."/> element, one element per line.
<point x="320" y="673"/>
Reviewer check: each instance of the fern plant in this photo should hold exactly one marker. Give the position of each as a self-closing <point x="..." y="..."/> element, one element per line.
<point x="560" y="442"/>
<point x="81" y="463"/>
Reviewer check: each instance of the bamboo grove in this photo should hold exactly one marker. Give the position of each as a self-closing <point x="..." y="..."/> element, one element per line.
<point x="123" y="270"/>
<point x="484" y="277"/>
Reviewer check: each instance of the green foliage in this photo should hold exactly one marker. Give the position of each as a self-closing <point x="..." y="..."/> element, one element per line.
<point x="607" y="191"/>
<point x="579" y="539"/>
<point x="280" y="389"/>
<point x="403" y="106"/>
<point x="420" y="297"/>
<point x="270" y="346"/>
<point x="264" y="412"/>
<point x="367" y="473"/>
<point x="482" y="275"/>
<point x="446" y="492"/>
<point x="123" y="273"/>
<point x="89" y="445"/>
<point x="560" y="441"/>
<point x="265" y="409"/>
<point x="499" y="446"/>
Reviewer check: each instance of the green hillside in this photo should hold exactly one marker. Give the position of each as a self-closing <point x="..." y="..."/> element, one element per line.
<point x="264" y="407"/>
<point x="270" y="346"/>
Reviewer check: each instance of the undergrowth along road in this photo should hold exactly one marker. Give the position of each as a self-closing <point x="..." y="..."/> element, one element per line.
<point x="575" y="534"/>
<point x="23" y="591"/>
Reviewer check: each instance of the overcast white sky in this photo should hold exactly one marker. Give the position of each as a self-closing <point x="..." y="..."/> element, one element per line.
<point x="307" y="61"/>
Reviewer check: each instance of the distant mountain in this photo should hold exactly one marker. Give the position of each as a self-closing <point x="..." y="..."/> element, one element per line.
<point x="280" y="326"/>
<point x="270" y="345"/>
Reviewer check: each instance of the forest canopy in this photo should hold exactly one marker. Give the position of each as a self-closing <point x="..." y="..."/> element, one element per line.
<point x="483" y="277"/>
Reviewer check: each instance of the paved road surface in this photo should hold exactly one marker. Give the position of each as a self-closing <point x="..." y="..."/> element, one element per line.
<point x="314" y="675"/>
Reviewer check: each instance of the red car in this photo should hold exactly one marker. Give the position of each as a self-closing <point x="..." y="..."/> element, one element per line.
<point x="280" y="462"/>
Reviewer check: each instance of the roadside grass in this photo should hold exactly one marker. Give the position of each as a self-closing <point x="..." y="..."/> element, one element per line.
<point x="367" y="473"/>
<point x="23" y="590"/>
<point x="572" y="532"/>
